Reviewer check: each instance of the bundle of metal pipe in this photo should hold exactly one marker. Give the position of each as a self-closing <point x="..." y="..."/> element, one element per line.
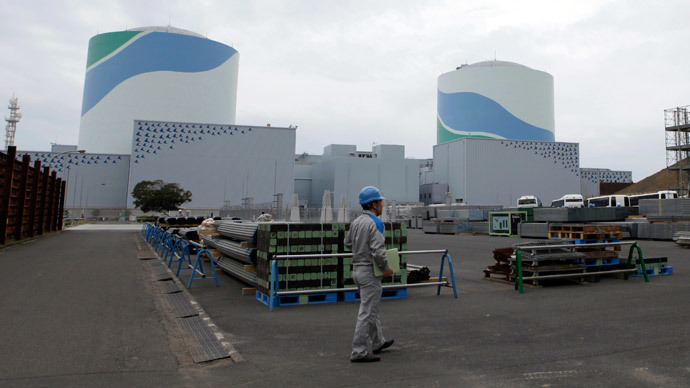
<point x="236" y="269"/>
<point x="235" y="250"/>
<point x="208" y="241"/>
<point x="238" y="230"/>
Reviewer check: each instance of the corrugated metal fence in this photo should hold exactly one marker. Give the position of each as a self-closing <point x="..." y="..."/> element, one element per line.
<point x="31" y="198"/>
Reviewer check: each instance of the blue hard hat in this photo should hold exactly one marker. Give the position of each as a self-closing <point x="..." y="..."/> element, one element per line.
<point x="369" y="194"/>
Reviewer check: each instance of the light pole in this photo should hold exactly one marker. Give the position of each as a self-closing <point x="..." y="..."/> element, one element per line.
<point x="87" y="197"/>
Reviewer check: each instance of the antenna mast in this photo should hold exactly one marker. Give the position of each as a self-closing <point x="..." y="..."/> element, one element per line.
<point x="15" y="116"/>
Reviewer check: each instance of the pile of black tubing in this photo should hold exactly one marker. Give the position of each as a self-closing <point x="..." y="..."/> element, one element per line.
<point x="181" y="220"/>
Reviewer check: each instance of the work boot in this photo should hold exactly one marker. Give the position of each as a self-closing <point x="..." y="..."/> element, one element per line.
<point x="385" y="345"/>
<point x="367" y="358"/>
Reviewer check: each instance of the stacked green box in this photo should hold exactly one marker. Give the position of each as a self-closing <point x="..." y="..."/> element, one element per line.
<point x="276" y="238"/>
<point x="299" y="239"/>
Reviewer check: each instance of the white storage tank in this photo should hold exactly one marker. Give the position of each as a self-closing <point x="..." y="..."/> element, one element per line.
<point x="153" y="73"/>
<point x="495" y="99"/>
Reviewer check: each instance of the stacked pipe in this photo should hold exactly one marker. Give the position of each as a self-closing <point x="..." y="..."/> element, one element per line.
<point x="237" y="270"/>
<point x="235" y="250"/>
<point x="237" y="230"/>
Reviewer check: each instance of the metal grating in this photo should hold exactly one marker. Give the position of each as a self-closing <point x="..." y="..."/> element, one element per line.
<point x="146" y="254"/>
<point x="205" y="344"/>
<point x="160" y="272"/>
<point x="171" y="288"/>
<point x="182" y="306"/>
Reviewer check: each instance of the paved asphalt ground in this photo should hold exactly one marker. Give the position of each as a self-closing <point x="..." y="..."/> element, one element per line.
<point x="79" y="309"/>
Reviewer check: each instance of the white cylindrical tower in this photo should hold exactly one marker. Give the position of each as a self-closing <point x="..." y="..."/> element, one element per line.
<point x="154" y="73"/>
<point x="495" y="99"/>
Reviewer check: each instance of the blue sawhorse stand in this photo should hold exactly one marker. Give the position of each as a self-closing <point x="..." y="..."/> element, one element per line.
<point x="452" y="275"/>
<point x="197" y="264"/>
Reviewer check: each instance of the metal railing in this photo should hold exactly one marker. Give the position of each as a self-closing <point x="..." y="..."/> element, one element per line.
<point x="519" y="279"/>
<point x="275" y="292"/>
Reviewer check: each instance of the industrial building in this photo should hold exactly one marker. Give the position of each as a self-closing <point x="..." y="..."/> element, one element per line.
<point x="343" y="170"/>
<point x="492" y="171"/>
<point x="159" y="103"/>
<point x="592" y="178"/>
<point x="496" y="140"/>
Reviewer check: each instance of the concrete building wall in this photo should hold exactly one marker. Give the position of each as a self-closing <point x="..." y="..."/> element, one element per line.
<point x="84" y="173"/>
<point x="302" y="183"/>
<point x="488" y="171"/>
<point x="343" y="174"/>
<point x="217" y="163"/>
<point x="590" y="178"/>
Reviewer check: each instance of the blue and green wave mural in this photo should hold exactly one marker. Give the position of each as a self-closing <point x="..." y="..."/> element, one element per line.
<point x="467" y="114"/>
<point x="135" y="52"/>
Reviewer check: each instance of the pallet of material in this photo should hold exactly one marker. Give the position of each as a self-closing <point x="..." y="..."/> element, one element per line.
<point x="502" y="268"/>
<point x="597" y="232"/>
<point x="430" y="227"/>
<point x="682" y="239"/>
<point x="591" y="214"/>
<point x="661" y="231"/>
<point x="533" y="229"/>
<point x="275" y="238"/>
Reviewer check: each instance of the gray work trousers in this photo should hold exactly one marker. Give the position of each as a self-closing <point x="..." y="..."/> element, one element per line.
<point x="368" y="331"/>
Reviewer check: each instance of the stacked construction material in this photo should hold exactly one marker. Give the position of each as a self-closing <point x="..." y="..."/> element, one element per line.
<point x="480" y="227"/>
<point x="236" y="241"/>
<point x="654" y="266"/>
<point x="552" y="258"/>
<point x="661" y="231"/>
<point x="502" y="268"/>
<point x="591" y="214"/>
<point x="237" y="230"/>
<point x="682" y="239"/>
<point x="276" y="238"/>
<point x="533" y="229"/>
<point x="430" y="226"/>
<point x="598" y="258"/>
<point x="586" y="233"/>
<point x="180" y="221"/>
<point x="669" y="210"/>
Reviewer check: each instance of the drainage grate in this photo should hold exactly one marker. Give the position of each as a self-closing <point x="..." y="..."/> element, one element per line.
<point x="160" y="272"/>
<point x="205" y="344"/>
<point x="171" y="288"/>
<point x="146" y="254"/>
<point x="182" y="306"/>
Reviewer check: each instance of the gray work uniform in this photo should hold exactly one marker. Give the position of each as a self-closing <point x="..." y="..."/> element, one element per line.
<point x="368" y="248"/>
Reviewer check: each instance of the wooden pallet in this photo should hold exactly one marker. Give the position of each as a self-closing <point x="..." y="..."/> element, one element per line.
<point x="583" y="228"/>
<point x="585" y="235"/>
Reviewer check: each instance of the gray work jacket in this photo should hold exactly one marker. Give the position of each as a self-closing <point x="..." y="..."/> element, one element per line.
<point x="366" y="242"/>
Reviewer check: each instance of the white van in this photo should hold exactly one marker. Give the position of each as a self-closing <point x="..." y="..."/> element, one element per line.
<point x="528" y="201"/>
<point x="569" y="200"/>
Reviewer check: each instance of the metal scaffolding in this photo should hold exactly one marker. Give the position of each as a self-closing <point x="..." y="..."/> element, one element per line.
<point x="677" y="125"/>
<point x="15" y="116"/>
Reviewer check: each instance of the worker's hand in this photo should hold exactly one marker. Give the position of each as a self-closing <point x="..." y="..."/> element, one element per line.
<point x="389" y="272"/>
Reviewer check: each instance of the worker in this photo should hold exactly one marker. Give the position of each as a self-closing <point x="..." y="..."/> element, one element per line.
<point x="366" y="241"/>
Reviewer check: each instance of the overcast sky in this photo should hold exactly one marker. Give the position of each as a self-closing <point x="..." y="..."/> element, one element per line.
<point x="362" y="72"/>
